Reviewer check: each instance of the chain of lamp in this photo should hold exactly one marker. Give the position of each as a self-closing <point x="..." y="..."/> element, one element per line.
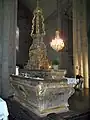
<point x="58" y="15"/>
<point x="57" y="43"/>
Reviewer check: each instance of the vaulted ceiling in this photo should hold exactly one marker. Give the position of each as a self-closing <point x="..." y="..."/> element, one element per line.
<point x="49" y="7"/>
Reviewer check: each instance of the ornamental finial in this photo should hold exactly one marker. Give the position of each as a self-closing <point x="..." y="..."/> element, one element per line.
<point x="38" y="22"/>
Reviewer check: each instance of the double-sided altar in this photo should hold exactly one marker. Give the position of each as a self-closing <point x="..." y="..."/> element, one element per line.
<point x="38" y="87"/>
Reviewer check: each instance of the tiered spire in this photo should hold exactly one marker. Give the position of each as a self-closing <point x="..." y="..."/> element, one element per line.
<point x="38" y="22"/>
<point x="37" y="52"/>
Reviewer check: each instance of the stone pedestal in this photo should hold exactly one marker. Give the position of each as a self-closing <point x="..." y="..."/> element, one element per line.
<point x="8" y="20"/>
<point x="42" y="96"/>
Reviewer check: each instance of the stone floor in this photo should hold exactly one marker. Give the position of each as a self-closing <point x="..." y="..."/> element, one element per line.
<point x="79" y="109"/>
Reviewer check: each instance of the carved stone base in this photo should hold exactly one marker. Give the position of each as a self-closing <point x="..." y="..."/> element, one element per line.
<point x="45" y="112"/>
<point x="42" y="96"/>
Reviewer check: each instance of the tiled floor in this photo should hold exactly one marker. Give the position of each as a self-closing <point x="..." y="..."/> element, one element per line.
<point x="79" y="109"/>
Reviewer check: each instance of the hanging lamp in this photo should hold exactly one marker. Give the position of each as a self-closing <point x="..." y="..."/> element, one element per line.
<point x="57" y="43"/>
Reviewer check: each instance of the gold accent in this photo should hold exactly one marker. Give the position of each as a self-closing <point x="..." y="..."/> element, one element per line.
<point x="37" y="52"/>
<point x="38" y="27"/>
<point x="56" y="109"/>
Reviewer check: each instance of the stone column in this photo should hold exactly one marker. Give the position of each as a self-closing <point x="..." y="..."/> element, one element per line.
<point x="84" y="44"/>
<point x="1" y="23"/>
<point x="75" y="41"/>
<point x="12" y="36"/>
<point x="7" y="53"/>
<point x="79" y="38"/>
<point x="80" y="44"/>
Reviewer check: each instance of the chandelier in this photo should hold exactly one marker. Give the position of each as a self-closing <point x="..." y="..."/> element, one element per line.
<point x="57" y="43"/>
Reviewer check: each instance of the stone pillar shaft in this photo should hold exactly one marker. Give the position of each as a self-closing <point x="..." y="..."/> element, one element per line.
<point x="80" y="44"/>
<point x="79" y="39"/>
<point x="75" y="49"/>
<point x="85" y="46"/>
<point x="1" y="24"/>
<point x="7" y="43"/>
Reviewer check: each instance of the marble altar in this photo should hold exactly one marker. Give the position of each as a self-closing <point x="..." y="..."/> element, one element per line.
<point x="37" y="87"/>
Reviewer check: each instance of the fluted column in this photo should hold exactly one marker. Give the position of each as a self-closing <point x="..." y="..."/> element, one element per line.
<point x="80" y="44"/>
<point x="79" y="38"/>
<point x="7" y="43"/>
<point x="84" y="44"/>
<point x="75" y="40"/>
<point x="12" y="36"/>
